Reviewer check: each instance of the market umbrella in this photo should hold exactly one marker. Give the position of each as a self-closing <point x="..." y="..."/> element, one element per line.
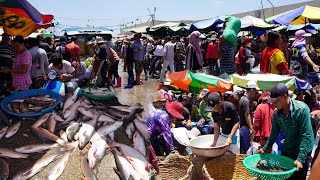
<point x="302" y="15"/>
<point x="249" y="23"/>
<point x="268" y="81"/>
<point x="193" y="82"/>
<point x="169" y="28"/>
<point x="19" y="17"/>
<point x="208" y="24"/>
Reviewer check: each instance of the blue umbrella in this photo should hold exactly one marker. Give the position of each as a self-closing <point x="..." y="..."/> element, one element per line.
<point x="208" y="24"/>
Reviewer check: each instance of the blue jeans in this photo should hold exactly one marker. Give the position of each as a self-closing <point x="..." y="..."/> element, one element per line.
<point x="244" y="140"/>
<point x="203" y="130"/>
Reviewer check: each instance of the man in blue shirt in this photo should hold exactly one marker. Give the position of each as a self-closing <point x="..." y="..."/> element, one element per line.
<point x="138" y="56"/>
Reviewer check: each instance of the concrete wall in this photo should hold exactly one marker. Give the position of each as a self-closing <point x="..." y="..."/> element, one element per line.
<point x="268" y="12"/>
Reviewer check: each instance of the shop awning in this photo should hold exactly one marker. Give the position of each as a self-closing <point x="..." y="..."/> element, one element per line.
<point x="210" y="24"/>
<point x="302" y="15"/>
<point x="250" y="23"/>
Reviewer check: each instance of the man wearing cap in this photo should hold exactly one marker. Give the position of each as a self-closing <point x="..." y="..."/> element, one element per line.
<point x="300" y="58"/>
<point x="138" y="56"/>
<point x="205" y="114"/>
<point x="159" y="127"/>
<point x="224" y="115"/>
<point x="293" y="118"/>
<point x="246" y="117"/>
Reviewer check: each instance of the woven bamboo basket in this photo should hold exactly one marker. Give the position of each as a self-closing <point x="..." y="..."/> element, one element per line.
<point x="175" y="167"/>
<point x="226" y="167"/>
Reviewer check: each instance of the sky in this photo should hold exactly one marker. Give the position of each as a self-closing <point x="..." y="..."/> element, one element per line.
<point x="112" y="13"/>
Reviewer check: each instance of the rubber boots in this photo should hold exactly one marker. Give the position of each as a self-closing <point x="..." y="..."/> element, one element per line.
<point x="130" y="83"/>
<point x="118" y="79"/>
<point x="138" y="80"/>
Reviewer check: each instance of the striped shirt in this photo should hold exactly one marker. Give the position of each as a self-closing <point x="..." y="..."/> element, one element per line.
<point x="6" y="55"/>
<point x="227" y="59"/>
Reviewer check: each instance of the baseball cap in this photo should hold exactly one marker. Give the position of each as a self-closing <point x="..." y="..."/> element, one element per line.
<point x="277" y="91"/>
<point x="213" y="99"/>
<point x="252" y="85"/>
<point x="204" y="93"/>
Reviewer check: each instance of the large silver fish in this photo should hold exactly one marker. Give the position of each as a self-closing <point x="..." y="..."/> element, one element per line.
<point x="139" y="143"/>
<point x="71" y="109"/>
<point x="12" y="130"/>
<point x="137" y="160"/>
<point x="8" y="153"/>
<point x="72" y="130"/>
<point x="4" y="169"/>
<point x="106" y="119"/>
<point x="58" y="167"/>
<point x="3" y="131"/>
<point x="96" y="152"/>
<point x="51" y="124"/>
<point x="86" y="170"/>
<point x="106" y="129"/>
<point x="37" y="167"/>
<point x="34" y="148"/>
<point x="70" y="100"/>
<point x="124" y="168"/>
<point x="86" y="131"/>
<point x="41" y="120"/>
<point x="142" y="127"/>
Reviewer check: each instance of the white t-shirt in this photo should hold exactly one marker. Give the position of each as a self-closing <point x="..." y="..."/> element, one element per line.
<point x="169" y="51"/>
<point x="159" y="51"/>
<point x="66" y="68"/>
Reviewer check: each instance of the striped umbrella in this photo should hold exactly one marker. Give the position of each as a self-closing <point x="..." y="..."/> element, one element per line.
<point x="194" y="82"/>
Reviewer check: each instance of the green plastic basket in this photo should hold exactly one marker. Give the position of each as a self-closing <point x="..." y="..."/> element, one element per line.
<point x="106" y="97"/>
<point x="250" y="163"/>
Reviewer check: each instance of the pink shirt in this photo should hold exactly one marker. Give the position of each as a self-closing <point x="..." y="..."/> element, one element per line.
<point x="22" y="81"/>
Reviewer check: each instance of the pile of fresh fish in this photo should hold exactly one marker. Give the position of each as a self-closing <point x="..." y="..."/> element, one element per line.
<point x="31" y="105"/>
<point x="82" y="123"/>
<point x="265" y="166"/>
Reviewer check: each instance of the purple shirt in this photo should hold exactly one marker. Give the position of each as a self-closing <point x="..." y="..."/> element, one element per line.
<point x="158" y="122"/>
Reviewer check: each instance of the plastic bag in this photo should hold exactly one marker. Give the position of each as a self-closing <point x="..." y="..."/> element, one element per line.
<point x="253" y="149"/>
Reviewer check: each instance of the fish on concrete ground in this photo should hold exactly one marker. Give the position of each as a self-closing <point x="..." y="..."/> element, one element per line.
<point x="71" y="109"/>
<point x="3" y="131"/>
<point x="111" y="136"/>
<point x="63" y="135"/>
<point x="8" y="153"/>
<point x="71" y="130"/>
<point x="124" y="169"/>
<point x="35" y="148"/>
<point x="139" y="117"/>
<point x="106" y="119"/>
<point x="58" y="167"/>
<point x="72" y="117"/>
<point x="129" y="117"/>
<point x="137" y="160"/>
<point x="4" y="169"/>
<point x="37" y="167"/>
<point x="86" y="132"/>
<point x="130" y="130"/>
<point x="139" y="143"/>
<point x="43" y="133"/>
<point x="142" y="128"/>
<point x="12" y="130"/>
<point x="51" y="124"/>
<point x="96" y="152"/>
<point x="85" y="169"/>
<point x="69" y="101"/>
<point x="41" y="120"/>
<point x="106" y="129"/>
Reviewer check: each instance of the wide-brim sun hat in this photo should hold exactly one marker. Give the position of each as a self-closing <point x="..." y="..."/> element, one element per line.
<point x="175" y="109"/>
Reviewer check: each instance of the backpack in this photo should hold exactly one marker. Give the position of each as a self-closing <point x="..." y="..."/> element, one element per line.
<point x="62" y="49"/>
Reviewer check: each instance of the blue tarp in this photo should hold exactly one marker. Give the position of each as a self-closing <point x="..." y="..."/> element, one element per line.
<point x="208" y="24"/>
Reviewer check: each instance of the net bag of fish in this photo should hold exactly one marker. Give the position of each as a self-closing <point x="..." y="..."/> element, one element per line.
<point x="226" y="167"/>
<point x="270" y="166"/>
<point x="176" y="167"/>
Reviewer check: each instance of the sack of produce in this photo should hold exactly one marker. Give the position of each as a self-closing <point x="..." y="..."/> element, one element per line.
<point x="232" y="29"/>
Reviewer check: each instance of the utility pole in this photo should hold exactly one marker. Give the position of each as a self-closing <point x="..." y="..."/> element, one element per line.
<point x="154" y="15"/>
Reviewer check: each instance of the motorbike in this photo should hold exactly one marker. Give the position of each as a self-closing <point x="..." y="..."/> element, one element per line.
<point x="54" y="83"/>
